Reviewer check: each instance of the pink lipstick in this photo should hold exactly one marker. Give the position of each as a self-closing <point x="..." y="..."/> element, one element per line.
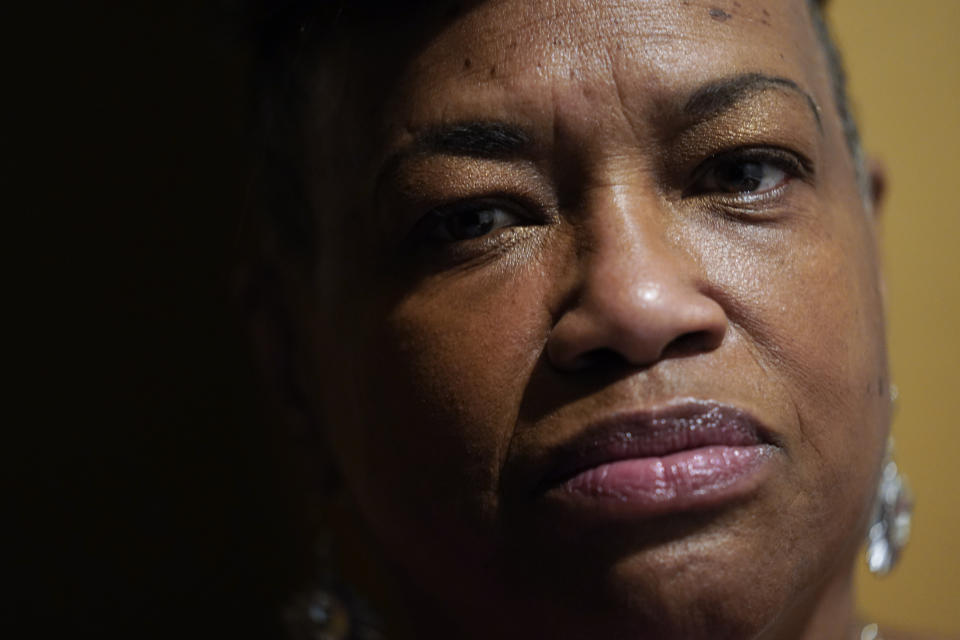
<point x="684" y="456"/>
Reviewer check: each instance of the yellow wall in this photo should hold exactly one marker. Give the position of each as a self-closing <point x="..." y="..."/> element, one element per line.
<point x="904" y="62"/>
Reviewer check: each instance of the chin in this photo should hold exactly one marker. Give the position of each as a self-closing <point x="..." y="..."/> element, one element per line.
<point x="686" y="577"/>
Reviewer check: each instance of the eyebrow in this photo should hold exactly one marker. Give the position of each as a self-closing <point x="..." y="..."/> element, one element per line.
<point x="714" y="98"/>
<point x="494" y="140"/>
<point x="485" y="140"/>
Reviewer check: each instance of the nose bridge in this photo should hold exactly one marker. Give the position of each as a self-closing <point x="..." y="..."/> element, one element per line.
<point x="626" y="257"/>
<point x="640" y="295"/>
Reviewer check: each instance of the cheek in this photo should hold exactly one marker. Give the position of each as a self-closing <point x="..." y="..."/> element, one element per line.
<point x="810" y="308"/>
<point x="447" y="367"/>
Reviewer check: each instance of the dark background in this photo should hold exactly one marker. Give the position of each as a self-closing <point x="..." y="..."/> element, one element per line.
<point x="144" y="493"/>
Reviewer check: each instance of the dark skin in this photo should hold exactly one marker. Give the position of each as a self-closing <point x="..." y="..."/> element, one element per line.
<point x="538" y="214"/>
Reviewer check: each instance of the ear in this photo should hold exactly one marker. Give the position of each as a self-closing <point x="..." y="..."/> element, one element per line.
<point x="876" y="200"/>
<point x="877" y="185"/>
<point x="265" y="297"/>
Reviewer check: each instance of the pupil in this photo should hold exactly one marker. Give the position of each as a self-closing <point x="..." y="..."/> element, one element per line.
<point x="742" y="176"/>
<point x="470" y="224"/>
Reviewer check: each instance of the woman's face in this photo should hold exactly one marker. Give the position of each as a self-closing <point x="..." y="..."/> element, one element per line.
<point x="597" y="336"/>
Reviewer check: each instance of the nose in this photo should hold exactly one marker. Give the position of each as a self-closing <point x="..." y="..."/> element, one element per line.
<point x="639" y="298"/>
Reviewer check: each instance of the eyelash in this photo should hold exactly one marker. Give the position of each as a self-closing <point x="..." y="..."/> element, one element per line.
<point x="433" y="231"/>
<point x="790" y="163"/>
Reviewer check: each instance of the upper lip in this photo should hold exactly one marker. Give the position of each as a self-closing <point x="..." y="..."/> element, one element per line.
<point x="689" y="424"/>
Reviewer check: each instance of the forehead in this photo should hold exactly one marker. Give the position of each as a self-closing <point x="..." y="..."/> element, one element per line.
<point x="542" y="59"/>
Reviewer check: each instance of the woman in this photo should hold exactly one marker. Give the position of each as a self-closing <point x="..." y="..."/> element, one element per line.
<point x="583" y="301"/>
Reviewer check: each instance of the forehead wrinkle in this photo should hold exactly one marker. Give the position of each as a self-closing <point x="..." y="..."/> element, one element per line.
<point x="568" y="15"/>
<point x="576" y="51"/>
<point x="570" y="31"/>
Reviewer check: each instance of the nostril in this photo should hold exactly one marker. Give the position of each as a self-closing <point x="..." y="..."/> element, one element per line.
<point x="599" y="359"/>
<point x="687" y="344"/>
<point x="692" y="343"/>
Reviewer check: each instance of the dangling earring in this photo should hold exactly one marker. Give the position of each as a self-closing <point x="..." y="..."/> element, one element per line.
<point x="892" y="512"/>
<point x="331" y="610"/>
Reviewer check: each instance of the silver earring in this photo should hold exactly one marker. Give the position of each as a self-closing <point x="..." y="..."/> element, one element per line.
<point x="892" y="512"/>
<point x="331" y="610"/>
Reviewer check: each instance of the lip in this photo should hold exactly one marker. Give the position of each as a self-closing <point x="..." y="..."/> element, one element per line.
<point x="691" y="454"/>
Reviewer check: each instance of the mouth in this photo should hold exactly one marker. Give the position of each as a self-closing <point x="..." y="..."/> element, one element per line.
<point x="694" y="454"/>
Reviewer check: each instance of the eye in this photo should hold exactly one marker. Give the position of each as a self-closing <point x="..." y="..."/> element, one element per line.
<point x="468" y="221"/>
<point x="745" y="173"/>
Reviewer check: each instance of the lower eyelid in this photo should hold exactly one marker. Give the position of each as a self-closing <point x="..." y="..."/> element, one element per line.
<point x="750" y="205"/>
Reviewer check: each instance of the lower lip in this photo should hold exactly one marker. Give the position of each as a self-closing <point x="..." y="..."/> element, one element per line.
<point x="695" y="478"/>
